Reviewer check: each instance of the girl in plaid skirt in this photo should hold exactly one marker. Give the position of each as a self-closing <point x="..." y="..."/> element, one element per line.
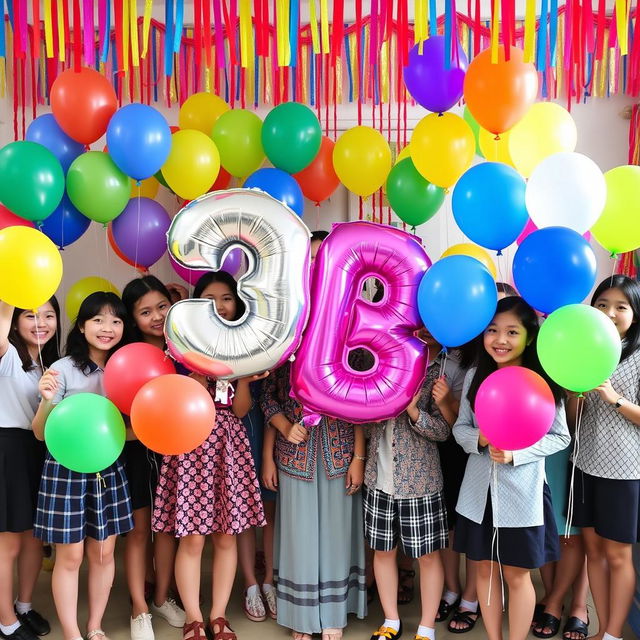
<point x="82" y="512"/>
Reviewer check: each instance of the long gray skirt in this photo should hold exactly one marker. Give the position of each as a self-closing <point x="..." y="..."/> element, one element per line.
<point x="319" y="553"/>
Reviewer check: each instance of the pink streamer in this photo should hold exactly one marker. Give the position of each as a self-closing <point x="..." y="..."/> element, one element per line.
<point x="373" y="34"/>
<point x="89" y="32"/>
<point x="613" y="30"/>
<point x="102" y="22"/>
<point x="568" y="38"/>
<point x="217" y="22"/>
<point x="24" y="28"/>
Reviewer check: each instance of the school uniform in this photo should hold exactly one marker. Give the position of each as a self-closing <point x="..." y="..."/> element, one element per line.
<point x="73" y="506"/>
<point x="514" y="498"/>
<point x="606" y="493"/>
<point x="21" y="453"/>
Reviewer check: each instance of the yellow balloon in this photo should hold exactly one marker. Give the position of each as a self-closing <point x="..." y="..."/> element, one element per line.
<point x="30" y="267"/>
<point x="193" y="164"/>
<point x="148" y="188"/>
<point x="405" y="153"/>
<point x="442" y="148"/>
<point x="83" y="288"/>
<point x="473" y="251"/>
<point x="495" y="150"/>
<point x="362" y="160"/>
<point x="200" y="111"/>
<point x="547" y="128"/>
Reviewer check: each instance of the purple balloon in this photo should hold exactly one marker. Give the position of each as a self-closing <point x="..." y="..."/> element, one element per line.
<point x="232" y="264"/>
<point x="140" y="231"/>
<point x="429" y="82"/>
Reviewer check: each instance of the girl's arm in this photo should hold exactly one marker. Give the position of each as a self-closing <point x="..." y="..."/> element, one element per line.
<point x="432" y="426"/>
<point x="355" y="474"/>
<point x="242" y="400"/>
<point x="571" y="409"/>
<point x="446" y="403"/>
<point x="274" y="412"/>
<point x="465" y="432"/>
<point x="6" y="313"/>
<point x="48" y="386"/>
<point x="269" y="469"/>
<point x="628" y="409"/>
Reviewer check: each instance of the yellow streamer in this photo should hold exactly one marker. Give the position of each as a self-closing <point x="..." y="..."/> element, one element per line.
<point x="124" y="63"/>
<point x="622" y="20"/>
<point x="338" y="96"/>
<point x="529" y="30"/>
<point x="495" y="30"/>
<point x="386" y="70"/>
<point x="280" y="31"/>
<point x="48" y="28"/>
<point x="305" y="73"/>
<point x="354" y="66"/>
<point x="324" y="22"/>
<point x="146" y="26"/>
<point x="3" y="78"/>
<point x="246" y="35"/>
<point x="421" y="20"/>
<point x="133" y="24"/>
<point x="61" y="42"/>
<point x="313" y="22"/>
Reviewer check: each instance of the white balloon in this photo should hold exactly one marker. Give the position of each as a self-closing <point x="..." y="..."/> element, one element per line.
<point x="566" y="190"/>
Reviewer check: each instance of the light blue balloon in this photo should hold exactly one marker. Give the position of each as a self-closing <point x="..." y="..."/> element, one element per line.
<point x="457" y="299"/>
<point x="278" y="184"/>
<point x="46" y="131"/>
<point x="489" y="206"/>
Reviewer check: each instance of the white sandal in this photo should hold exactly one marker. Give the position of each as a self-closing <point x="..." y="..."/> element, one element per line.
<point x="97" y="632"/>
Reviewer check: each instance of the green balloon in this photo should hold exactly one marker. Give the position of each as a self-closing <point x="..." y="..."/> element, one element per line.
<point x="291" y="136"/>
<point x="414" y="199"/>
<point x="579" y="347"/>
<point x="85" y="433"/>
<point x="237" y="134"/>
<point x="31" y="180"/>
<point x="160" y="178"/>
<point x="96" y="187"/>
<point x="475" y="127"/>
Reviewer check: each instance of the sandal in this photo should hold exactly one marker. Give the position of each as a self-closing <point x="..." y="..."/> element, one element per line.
<point x="549" y="622"/>
<point x="97" y="632"/>
<point x="221" y="623"/>
<point x="332" y="634"/>
<point x="406" y="591"/>
<point x="445" y="609"/>
<point x="300" y="635"/>
<point x="197" y="628"/>
<point x="575" y="625"/>
<point x="538" y="612"/>
<point x="466" y="617"/>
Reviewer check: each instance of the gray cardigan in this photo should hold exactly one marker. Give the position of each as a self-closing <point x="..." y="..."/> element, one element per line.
<point x="516" y="497"/>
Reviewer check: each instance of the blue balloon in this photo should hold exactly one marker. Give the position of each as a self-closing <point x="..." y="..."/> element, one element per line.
<point x="65" y="225"/>
<point x="553" y="267"/>
<point x="488" y="205"/>
<point x="46" y="131"/>
<point x="139" y="140"/>
<point x="457" y="299"/>
<point x="278" y="184"/>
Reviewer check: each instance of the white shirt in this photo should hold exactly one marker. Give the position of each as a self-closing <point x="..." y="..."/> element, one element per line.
<point x="18" y="391"/>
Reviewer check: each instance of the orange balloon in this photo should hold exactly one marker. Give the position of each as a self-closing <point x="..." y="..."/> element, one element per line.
<point x="499" y="95"/>
<point x="319" y="180"/>
<point x="83" y="103"/>
<point x="116" y="250"/>
<point x="172" y="414"/>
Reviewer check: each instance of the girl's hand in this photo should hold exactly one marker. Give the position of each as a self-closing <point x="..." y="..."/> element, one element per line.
<point x="296" y="433"/>
<point x="355" y="476"/>
<point x="269" y="474"/>
<point x="48" y="384"/>
<point x="500" y="456"/>
<point x="607" y="392"/>
<point x="441" y="391"/>
<point x="412" y="409"/>
<point x="177" y="291"/>
<point x="198" y="377"/>
<point x="255" y="378"/>
<point x="482" y="440"/>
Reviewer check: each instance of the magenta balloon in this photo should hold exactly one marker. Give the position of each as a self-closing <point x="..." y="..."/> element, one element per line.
<point x="342" y="321"/>
<point x="514" y="408"/>
<point x="232" y="264"/>
<point x="140" y="231"/>
<point x="531" y="227"/>
<point x="427" y="79"/>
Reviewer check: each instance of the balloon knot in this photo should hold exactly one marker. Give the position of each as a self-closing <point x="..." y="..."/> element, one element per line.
<point x="580" y="395"/>
<point x="497" y="137"/>
<point x="613" y="255"/>
<point x="499" y="252"/>
<point x="444" y="349"/>
<point x="446" y="190"/>
<point x="39" y="224"/>
<point x="87" y="147"/>
<point x="138" y="183"/>
<point x="413" y="230"/>
<point x="440" y="114"/>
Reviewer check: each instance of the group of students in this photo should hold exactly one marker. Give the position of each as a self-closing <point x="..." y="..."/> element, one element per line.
<point x="427" y="482"/>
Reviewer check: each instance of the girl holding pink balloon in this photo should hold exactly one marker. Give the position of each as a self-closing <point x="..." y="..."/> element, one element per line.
<point x="28" y="342"/>
<point x="607" y="464"/>
<point x="511" y="417"/>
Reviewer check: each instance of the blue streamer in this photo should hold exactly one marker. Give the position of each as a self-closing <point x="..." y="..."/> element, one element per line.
<point x="107" y="34"/>
<point x="348" y="58"/>
<point x="361" y="69"/>
<point x="553" y="33"/>
<point x="541" y="53"/>
<point x="256" y="78"/>
<point x="10" y="14"/>
<point x="168" y="20"/>
<point x="226" y="86"/>
<point x="312" y="77"/>
<point x="177" y="32"/>
<point x="433" y="18"/>
<point x="114" y="66"/>
<point x="294" y="15"/>
<point x="448" y="19"/>
<point x="153" y="64"/>
<point x="3" y="46"/>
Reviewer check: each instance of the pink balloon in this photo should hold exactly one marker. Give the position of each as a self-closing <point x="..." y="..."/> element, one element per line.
<point x="514" y="408"/>
<point x="341" y="321"/>
<point x="233" y="264"/>
<point x="531" y="227"/>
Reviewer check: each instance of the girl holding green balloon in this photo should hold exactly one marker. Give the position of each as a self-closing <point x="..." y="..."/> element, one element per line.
<point x="84" y="500"/>
<point x="28" y="341"/>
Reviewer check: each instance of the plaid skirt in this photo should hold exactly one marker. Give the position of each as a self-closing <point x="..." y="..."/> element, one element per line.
<point x="73" y="506"/>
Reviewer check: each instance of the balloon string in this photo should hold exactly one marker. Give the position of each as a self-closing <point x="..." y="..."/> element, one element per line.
<point x="495" y="538"/>
<point x="576" y="451"/>
<point x="97" y="253"/>
<point x="443" y="362"/>
<point x="613" y="269"/>
<point x="135" y="262"/>
<point x="317" y="215"/>
<point x="106" y="250"/>
<point x="36" y="316"/>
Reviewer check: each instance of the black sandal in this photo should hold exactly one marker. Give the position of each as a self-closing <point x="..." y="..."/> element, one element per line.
<point x="445" y="609"/>
<point x="538" y="612"/>
<point x="405" y="591"/>
<point x="547" y="621"/>
<point x="575" y="625"/>
<point x="465" y="618"/>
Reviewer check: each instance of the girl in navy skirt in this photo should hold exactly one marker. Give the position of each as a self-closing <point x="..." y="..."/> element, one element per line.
<point x="28" y="341"/>
<point x="147" y="301"/>
<point x="82" y="512"/>
<point x="606" y="494"/>
<point x="504" y="491"/>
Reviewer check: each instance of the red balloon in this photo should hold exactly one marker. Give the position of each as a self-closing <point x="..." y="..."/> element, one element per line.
<point x="222" y="181"/>
<point x="83" y="103"/>
<point x="319" y="180"/>
<point x="173" y="414"/>
<point x="130" y="368"/>
<point x="10" y="219"/>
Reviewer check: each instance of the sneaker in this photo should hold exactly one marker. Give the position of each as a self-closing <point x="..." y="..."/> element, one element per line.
<point x="270" y="600"/>
<point x="254" y="606"/>
<point x="141" y="628"/>
<point x="35" y="622"/>
<point x="171" y="612"/>
<point x="21" y="633"/>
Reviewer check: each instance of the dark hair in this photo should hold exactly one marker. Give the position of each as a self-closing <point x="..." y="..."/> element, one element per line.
<point x="92" y="305"/>
<point x="50" y="351"/>
<point x="631" y="291"/>
<point x="135" y="290"/>
<point x="507" y="289"/>
<point x="319" y="235"/>
<point x="486" y="365"/>
<point x="224" y="278"/>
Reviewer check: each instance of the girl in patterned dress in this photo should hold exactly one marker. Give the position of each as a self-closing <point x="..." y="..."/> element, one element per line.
<point x="82" y="512"/>
<point x="607" y="475"/>
<point x="212" y="490"/>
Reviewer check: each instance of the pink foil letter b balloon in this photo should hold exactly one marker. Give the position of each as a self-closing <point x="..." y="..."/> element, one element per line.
<point x="342" y="321"/>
